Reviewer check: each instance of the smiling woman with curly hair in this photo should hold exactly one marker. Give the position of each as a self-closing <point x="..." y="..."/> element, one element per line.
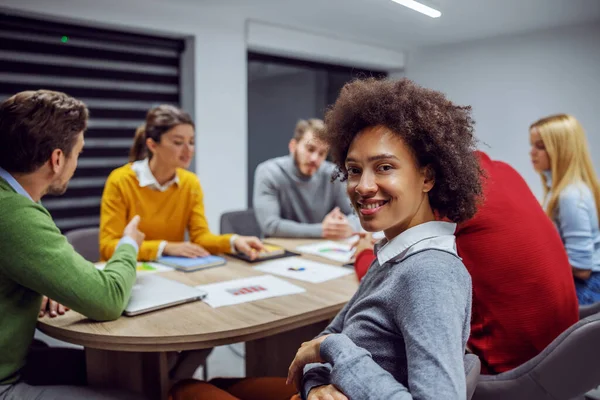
<point x="438" y="132"/>
<point x="406" y="154"/>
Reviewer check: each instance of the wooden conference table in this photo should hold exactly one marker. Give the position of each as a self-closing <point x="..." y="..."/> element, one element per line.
<point x="131" y="352"/>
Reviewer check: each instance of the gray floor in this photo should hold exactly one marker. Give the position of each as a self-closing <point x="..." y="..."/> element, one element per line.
<point x="225" y="361"/>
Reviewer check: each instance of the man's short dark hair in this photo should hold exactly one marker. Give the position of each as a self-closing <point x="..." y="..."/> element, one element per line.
<point x="35" y="123"/>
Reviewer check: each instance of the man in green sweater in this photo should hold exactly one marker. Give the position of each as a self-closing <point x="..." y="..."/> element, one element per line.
<point x="41" y="136"/>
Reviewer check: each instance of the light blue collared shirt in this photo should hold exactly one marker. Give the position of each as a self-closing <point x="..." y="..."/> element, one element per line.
<point x="4" y="174"/>
<point x="577" y="223"/>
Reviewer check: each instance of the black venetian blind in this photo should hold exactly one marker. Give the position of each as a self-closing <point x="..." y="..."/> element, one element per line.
<point x="119" y="76"/>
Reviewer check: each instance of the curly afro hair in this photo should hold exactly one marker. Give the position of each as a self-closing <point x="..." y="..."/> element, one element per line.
<point x="439" y="133"/>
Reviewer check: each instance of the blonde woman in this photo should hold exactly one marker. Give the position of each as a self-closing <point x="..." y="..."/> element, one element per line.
<point x="559" y="153"/>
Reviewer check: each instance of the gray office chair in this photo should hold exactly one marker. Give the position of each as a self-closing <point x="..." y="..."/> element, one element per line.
<point x="566" y="369"/>
<point x="590" y="309"/>
<point x="240" y="222"/>
<point x="472" y="371"/>
<point x="86" y="242"/>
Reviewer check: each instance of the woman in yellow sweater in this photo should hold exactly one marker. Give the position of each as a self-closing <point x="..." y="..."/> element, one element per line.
<point x="169" y="199"/>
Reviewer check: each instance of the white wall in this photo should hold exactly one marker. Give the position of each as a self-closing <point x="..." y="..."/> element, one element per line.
<point x="512" y="81"/>
<point x="219" y="87"/>
<point x="293" y="43"/>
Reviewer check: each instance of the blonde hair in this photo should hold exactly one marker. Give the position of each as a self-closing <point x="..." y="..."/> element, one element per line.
<point x="570" y="161"/>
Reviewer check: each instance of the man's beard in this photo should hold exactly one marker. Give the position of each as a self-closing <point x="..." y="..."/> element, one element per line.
<point x="58" y="189"/>
<point x="297" y="162"/>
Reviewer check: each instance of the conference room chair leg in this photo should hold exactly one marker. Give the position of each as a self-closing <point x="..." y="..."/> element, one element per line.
<point x="145" y="373"/>
<point x="186" y="364"/>
<point x="271" y="356"/>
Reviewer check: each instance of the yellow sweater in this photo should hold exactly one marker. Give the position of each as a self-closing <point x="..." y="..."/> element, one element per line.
<point x="164" y="215"/>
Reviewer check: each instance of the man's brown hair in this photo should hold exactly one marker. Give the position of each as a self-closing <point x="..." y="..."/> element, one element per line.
<point x="35" y="123"/>
<point x="314" y="125"/>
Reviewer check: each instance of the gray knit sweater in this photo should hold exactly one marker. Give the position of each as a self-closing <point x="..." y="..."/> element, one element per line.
<point x="403" y="334"/>
<point x="288" y="204"/>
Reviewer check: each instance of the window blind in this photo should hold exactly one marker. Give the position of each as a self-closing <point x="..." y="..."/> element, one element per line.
<point x="119" y="75"/>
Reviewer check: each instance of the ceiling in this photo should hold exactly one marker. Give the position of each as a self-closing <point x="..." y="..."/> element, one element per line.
<point x="387" y="24"/>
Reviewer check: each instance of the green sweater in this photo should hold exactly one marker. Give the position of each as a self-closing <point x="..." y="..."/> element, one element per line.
<point x="36" y="260"/>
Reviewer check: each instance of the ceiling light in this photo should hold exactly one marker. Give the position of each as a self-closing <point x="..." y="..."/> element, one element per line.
<point x="422" y="8"/>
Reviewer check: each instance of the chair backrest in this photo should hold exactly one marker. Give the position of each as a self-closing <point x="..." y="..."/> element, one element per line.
<point x="472" y="371"/>
<point x="567" y="368"/>
<point x="240" y="222"/>
<point x="590" y="309"/>
<point x="86" y="242"/>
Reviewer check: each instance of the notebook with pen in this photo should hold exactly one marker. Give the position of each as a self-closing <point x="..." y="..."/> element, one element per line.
<point x="271" y="252"/>
<point x="192" y="264"/>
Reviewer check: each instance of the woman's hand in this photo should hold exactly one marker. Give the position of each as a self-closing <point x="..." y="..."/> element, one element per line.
<point x="326" y="392"/>
<point x="309" y="352"/>
<point x="249" y="245"/>
<point x="185" y="249"/>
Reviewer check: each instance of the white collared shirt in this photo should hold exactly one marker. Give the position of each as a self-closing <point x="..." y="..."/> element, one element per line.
<point x="146" y="178"/>
<point x="430" y="235"/>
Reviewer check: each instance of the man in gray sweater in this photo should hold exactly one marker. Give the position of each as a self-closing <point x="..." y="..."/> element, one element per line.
<point x="294" y="195"/>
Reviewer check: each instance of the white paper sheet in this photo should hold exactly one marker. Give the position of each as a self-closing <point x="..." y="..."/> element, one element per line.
<point x="303" y="269"/>
<point x="143" y="267"/>
<point x="340" y="252"/>
<point x="244" y="290"/>
<point x="353" y="239"/>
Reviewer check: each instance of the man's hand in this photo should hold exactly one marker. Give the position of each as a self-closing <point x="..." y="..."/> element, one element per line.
<point x="326" y="392"/>
<point x="52" y="308"/>
<point x="249" y="245"/>
<point x="133" y="232"/>
<point x="309" y="352"/>
<point x="185" y="249"/>
<point x="336" y="225"/>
